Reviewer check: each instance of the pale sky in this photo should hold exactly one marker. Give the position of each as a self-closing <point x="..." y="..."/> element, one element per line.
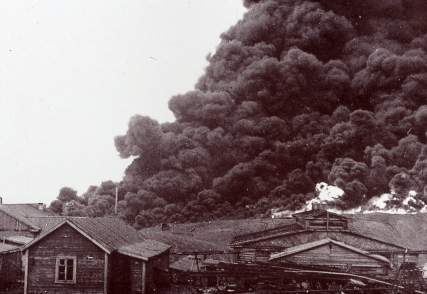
<point x="73" y="72"/>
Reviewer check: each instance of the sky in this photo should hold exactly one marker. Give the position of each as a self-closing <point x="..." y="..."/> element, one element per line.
<point x="73" y="72"/>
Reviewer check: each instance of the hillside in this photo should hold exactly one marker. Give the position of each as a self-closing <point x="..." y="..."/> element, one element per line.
<point x="406" y="230"/>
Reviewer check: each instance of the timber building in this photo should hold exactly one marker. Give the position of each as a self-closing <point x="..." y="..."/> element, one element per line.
<point x="319" y="238"/>
<point x="41" y="252"/>
<point x="93" y="255"/>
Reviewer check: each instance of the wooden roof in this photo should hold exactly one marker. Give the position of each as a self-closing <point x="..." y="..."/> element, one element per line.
<point x="109" y="234"/>
<point x="24" y="212"/>
<point x="311" y="245"/>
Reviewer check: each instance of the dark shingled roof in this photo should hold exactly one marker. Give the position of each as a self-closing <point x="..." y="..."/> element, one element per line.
<point x="109" y="233"/>
<point x="24" y="212"/>
<point x="45" y="223"/>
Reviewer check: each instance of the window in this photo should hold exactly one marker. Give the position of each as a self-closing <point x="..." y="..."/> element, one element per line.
<point x="65" y="270"/>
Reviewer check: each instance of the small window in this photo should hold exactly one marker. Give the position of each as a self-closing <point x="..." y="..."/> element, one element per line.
<point x="65" y="271"/>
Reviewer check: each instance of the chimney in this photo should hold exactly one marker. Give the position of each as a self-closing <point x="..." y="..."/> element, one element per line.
<point x="1" y="200"/>
<point x="40" y="206"/>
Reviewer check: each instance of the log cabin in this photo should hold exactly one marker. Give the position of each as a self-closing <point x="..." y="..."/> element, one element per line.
<point x="93" y="255"/>
<point x="319" y="238"/>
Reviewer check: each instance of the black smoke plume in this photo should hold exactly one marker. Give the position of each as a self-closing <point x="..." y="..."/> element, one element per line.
<point x="296" y="93"/>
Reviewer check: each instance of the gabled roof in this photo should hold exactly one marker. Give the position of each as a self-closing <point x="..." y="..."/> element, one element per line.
<point x="24" y="212"/>
<point x="311" y="245"/>
<point x="109" y="234"/>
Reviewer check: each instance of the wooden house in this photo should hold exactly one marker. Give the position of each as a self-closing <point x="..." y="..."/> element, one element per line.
<point x="22" y="220"/>
<point x="321" y="238"/>
<point x="93" y="255"/>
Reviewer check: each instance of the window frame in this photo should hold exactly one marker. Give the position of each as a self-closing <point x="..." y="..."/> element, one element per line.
<point x="57" y="265"/>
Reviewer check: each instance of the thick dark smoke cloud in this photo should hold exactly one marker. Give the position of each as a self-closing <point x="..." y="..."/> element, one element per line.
<point x="296" y="93"/>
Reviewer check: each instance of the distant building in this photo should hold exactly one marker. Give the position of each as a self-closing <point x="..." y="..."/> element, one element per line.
<point x="93" y="255"/>
<point x="320" y="238"/>
<point x="22" y="219"/>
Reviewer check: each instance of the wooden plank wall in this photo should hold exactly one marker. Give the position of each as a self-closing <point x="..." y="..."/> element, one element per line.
<point x="67" y="242"/>
<point x="337" y="256"/>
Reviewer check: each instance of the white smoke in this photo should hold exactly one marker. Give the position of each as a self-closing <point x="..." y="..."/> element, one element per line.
<point x="390" y="203"/>
<point x="379" y="202"/>
<point x="329" y="196"/>
<point x="326" y="194"/>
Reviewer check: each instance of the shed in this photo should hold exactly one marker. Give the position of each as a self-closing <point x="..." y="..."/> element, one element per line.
<point x="93" y="255"/>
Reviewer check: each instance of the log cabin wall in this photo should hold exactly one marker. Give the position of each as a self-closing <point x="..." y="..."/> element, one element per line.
<point x="331" y="255"/>
<point x="323" y="223"/>
<point x="65" y="241"/>
<point x="253" y="255"/>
